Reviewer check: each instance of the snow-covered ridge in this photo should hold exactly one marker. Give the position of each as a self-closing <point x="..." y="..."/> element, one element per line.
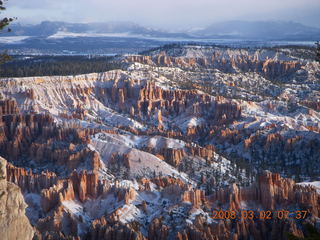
<point x="44" y="80"/>
<point x="191" y="51"/>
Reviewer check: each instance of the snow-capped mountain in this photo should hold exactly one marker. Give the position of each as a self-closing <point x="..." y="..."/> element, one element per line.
<point x="263" y="30"/>
<point x="47" y="29"/>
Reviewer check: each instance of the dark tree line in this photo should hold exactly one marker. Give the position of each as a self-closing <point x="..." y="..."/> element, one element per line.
<point x="57" y="65"/>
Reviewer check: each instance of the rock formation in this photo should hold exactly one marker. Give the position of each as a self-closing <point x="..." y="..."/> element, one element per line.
<point x="28" y="181"/>
<point x="79" y="186"/>
<point x="195" y="197"/>
<point x="14" y="225"/>
<point x="35" y="136"/>
<point x="103" y="229"/>
<point x="269" y="191"/>
<point x="269" y="68"/>
<point x="151" y="150"/>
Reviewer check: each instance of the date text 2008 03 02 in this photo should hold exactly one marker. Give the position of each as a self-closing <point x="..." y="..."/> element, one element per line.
<point x="250" y="214"/>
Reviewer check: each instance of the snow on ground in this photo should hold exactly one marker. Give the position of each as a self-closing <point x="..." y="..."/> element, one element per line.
<point x="13" y="39"/>
<point x="115" y="119"/>
<point x="159" y="142"/>
<point x="141" y="163"/>
<point x="195" y="212"/>
<point x="258" y="116"/>
<point x="315" y="184"/>
<point x="76" y="208"/>
<point x="127" y="184"/>
<point x="64" y="34"/>
<point x="33" y="211"/>
<point x="102" y="205"/>
<point x="129" y="213"/>
<point x="184" y="121"/>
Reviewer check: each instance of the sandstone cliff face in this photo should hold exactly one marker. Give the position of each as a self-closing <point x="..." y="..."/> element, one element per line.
<point x="85" y="185"/>
<point x="150" y="100"/>
<point x="269" y="68"/>
<point x="81" y="186"/>
<point x="205" y="152"/>
<point x="195" y="197"/>
<point x="14" y="225"/>
<point x="36" y="136"/>
<point x="28" y="181"/>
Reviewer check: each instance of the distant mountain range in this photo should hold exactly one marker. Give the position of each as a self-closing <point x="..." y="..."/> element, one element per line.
<point x="260" y="30"/>
<point x="266" y="30"/>
<point x="51" y="29"/>
<point x="126" y="37"/>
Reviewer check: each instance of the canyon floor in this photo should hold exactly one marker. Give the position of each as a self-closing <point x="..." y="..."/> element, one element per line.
<point x="154" y="149"/>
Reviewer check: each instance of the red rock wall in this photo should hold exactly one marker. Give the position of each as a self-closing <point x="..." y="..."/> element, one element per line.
<point x="28" y="181"/>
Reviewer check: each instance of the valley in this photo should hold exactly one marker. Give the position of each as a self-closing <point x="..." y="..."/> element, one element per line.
<point x="151" y="147"/>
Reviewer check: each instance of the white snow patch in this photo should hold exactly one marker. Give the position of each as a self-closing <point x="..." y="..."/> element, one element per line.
<point x="315" y="184"/>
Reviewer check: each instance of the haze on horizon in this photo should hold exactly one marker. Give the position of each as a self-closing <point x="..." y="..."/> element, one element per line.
<point x="165" y="14"/>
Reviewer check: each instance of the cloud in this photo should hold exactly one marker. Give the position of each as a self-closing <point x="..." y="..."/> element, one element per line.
<point x="165" y="13"/>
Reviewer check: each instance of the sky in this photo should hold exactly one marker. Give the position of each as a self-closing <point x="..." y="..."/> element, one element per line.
<point x="165" y="14"/>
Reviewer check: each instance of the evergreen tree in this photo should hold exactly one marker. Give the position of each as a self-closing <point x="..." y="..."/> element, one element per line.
<point x="4" y="22"/>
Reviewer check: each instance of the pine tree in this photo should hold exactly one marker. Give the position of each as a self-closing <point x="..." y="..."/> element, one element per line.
<point x="4" y="22"/>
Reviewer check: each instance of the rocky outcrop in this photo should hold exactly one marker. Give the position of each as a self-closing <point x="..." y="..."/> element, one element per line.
<point x="59" y="224"/>
<point x="83" y="197"/>
<point x="149" y="100"/>
<point x="241" y="229"/>
<point x="201" y="230"/>
<point x="163" y="182"/>
<point x="36" y="136"/>
<point x="106" y="230"/>
<point x="270" y="191"/>
<point x="14" y="225"/>
<point x="53" y="197"/>
<point x="8" y="107"/>
<point x="276" y="148"/>
<point x="204" y="152"/>
<point x="123" y="194"/>
<point x="29" y="182"/>
<point x="171" y="156"/>
<point x="85" y="185"/>
<point x="81" y="186"/>
<point x="269" y="68"/>
<point x="230" y="135"/>
<point x="195" y="196"/>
